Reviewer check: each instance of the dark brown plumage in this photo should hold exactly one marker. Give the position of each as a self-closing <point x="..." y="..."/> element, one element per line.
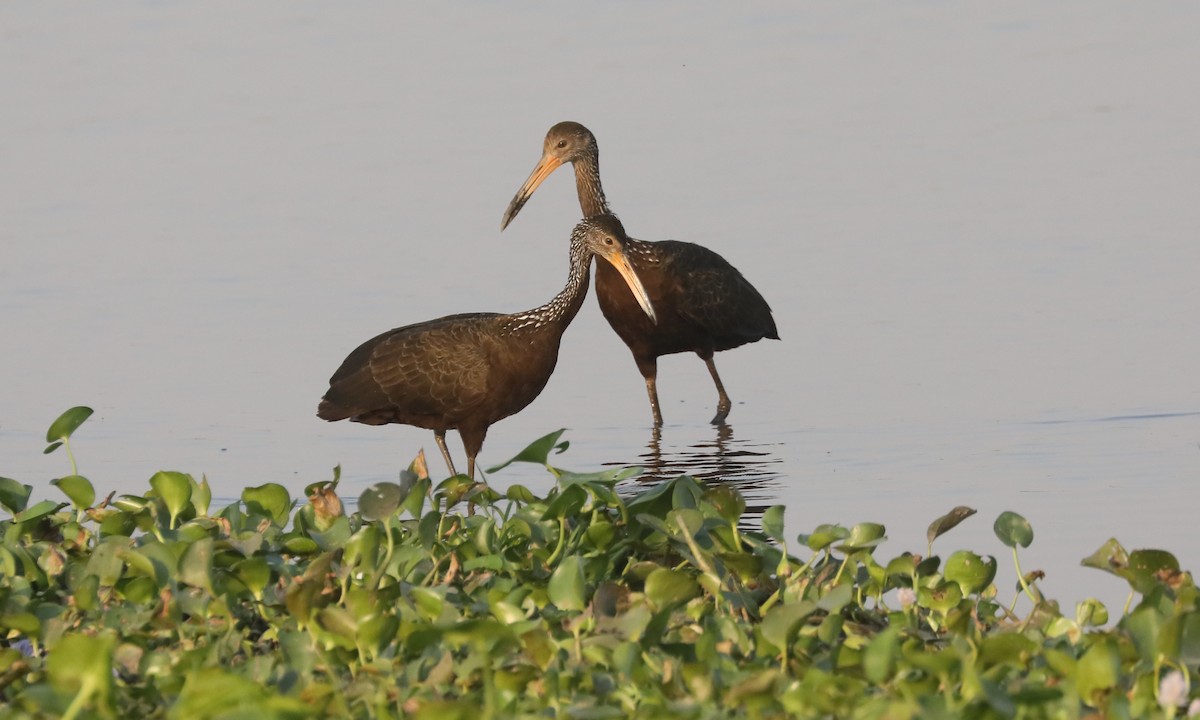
<point x="703" y="303"/>
<point x="468" y="371"/>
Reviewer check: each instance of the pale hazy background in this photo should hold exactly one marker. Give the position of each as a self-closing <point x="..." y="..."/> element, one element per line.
<point x="978" y="226"/>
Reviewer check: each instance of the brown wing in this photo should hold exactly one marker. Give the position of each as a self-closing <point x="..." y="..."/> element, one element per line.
<point x="715" y="296"/>
<point x="417" y="374"/>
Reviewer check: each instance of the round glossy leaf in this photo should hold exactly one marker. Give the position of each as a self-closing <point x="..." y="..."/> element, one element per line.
<point x="195" y="567"/>
<point x="14" y="495"/>
<point x="863" y="536"/>
<point x="972" y="573"/>
<point x="41" y="509"/>
<point x="254" y="574"/>
<point x="78" y="489"/>
<point x="772" y="523"/>
<point x="567" y="585"/>
<point x="380" y="500"/>
<point x="1097" y="672"/>
<point x="175" y="489"/>
<point x="1013" y="530"/>
<point x="83" y="663"/>
<point x="271" y="499"/>
<point x="375" y="632"/>
<point x="666" y="587"/>
<point x="728" y="502"/>
<point x="67" y="423"/>
<point x="824" y="536"/>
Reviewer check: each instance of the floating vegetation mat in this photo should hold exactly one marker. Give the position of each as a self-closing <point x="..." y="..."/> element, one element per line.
<point x="451" y="600"/>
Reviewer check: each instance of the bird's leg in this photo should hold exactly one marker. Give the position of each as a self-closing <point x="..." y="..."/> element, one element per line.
<point x="652" y="391"/>
<point x="723" y="403"/>
<point x="440" y="436"/>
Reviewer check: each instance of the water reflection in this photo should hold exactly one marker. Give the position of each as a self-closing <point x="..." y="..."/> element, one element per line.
<point x="753" y="468"/>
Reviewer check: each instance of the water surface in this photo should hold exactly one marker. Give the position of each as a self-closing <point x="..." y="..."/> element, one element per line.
<point x="977" y="227"/>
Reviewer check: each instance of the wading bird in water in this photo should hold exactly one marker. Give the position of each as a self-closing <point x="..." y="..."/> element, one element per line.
<point x="703" y="303"/>
<point x="468" y="371"/>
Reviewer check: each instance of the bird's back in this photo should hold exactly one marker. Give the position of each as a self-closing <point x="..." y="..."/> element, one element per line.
<point x="442" y="373"/>
<point x="704" y="303"/>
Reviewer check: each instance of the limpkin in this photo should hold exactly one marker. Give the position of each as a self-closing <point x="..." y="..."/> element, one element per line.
<point x="703" y="303"/>
<point x="468" y="371"/>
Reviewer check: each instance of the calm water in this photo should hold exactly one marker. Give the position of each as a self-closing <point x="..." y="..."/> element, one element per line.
<point x="977" y="225"/>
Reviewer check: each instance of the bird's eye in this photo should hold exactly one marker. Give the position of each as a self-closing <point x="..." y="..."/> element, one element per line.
<point x="609" y="241"/>
<point x="562" y="144"/>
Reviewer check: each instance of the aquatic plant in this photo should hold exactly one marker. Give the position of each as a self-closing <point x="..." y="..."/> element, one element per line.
<point x="601" y="599"/>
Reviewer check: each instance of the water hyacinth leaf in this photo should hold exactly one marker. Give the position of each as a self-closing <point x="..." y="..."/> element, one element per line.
<point x="1091" y="613"/>
<point x="195" y="567"/>
<point x="38" y="510"/>
<point x="1013" y="529"/>
<point x="67" y="423"/>
<point x="1097" y="672"/>
<point x="23" y="622"/>
<point x="81" y="665"/>
<point x="863" y="536"/>
<point x="14" y="495"/>
<point x="52" y="447"/>
<point x="1110" y="557"/>
<point x="729" y="503"/>
<point x="270" y="499"/>
<point x="667" y="587"/>
<point x="568" y="586"/>
<point x="175" y="490"/>
<point x="380" y="500"/>
<point x="1149" y="567"/>
<point x="375" y="632"/>
<point x="948" y="522"/>
<point x="972" y="572"/>
<point x="78" y="490"/>
<point x="879" y="660"/>
<point x="568" y="503"/>
<point x="255" y="573"/>
<point x="781" y="623"/>
<point x="772" y="523"/>
<point x="201" y="495"/>
<point x="537" y="451"/>
<point x="824" y="536"/>
<point x="108" y="561"/>
<point x="414" y="503"/>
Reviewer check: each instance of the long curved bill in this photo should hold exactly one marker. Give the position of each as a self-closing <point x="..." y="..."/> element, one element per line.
<point x="621" y="263"/>
<point x="545" y="166"/>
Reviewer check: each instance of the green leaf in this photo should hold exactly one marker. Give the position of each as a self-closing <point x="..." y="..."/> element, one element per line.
<point x="174" y="489"/>
<point x="824" y="536"/>
<point x="567" y="585"/>
<point x="879" y="660"/>
<point x="1110" y="557"/>
<point x="667" y="587"/>
<point x="1013" y="530"/>
<point x="41" y="509"/>
<point x="78" y="489"/>
<point x="947" y="522"/>
<point x="1097" y="672"/>
<point x="781" y="623"/>
<point x="568" y="503"/>
<point x="380" y="500"/>
<point x="973" y="573"/>
<point x="271" y="499"/>
<point x="201" y="495"/>
<point x="538" y="451"/>
<point x="772" y="523"/>
<point x="14" y="495"/>
<point x="195" y="567"/>
<point x="67" y="423"/>
<point x="863" y="536"/>
<point x="82" y="665"/>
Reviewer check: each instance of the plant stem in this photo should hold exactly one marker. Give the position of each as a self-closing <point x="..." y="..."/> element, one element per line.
<point x="1021" y="578"/>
